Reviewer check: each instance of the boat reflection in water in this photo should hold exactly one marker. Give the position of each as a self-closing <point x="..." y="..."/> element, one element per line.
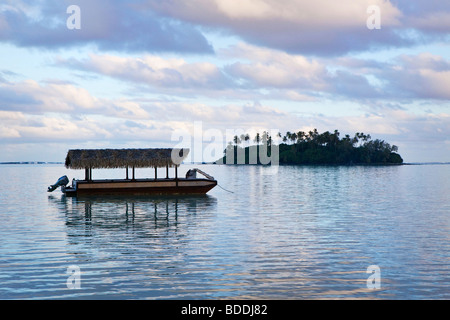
<point x="139" y="212"/>
<point x="135" y="247"/>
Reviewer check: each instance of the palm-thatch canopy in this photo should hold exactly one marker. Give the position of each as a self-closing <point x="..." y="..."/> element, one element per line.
<point x="122" y="158"/>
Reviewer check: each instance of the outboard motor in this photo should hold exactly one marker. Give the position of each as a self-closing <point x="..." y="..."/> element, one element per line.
<point x="63" y="181"/>
<point x="191" y="174"/>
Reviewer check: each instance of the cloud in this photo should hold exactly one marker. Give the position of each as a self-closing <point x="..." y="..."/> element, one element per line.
<point x="225" y="116"/>
<point x="403" y="79"/>
<point x="322" y="27"/>
<point x="106" y="126"/>
<point x="286" y="76"/>
<point x="58" y="111"/>
<point x="110" y="25"/>
<point x="435" y="22"/>
<point x="32" y="97"/>
<point x="7" y="120"/>
<point x="239" y="14"/>
<point x="427" y="17"/>
<point x="423" y="76"/>
<point x="155" y="71"/>
<point x="249" y="72"/>
<point x="276" y="69"/>
<point x="297" y="26"/>
<point x="297" y="75"/>
<point x="64" y="111"/>
<point x="256" y="73"/>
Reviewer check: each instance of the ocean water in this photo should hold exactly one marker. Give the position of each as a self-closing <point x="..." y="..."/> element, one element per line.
<point x="298" y="232"/>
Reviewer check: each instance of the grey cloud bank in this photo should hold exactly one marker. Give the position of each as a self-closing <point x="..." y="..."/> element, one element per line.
<point x="109" y="25"/>
<point x="319" y="27"/>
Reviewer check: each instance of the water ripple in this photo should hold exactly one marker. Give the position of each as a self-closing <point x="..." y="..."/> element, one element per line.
<point x="304" y="233"/>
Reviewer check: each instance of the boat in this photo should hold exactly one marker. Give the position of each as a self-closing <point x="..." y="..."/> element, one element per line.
<point x="89" y="159"/>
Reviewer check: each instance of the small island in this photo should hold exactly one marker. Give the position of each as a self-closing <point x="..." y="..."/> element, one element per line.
<point x="312" y="148"/>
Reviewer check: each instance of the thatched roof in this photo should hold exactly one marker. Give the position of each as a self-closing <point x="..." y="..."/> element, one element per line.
<point x="121" y="158"/>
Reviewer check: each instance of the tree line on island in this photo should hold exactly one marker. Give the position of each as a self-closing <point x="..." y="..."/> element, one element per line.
<point x="312" y="148"/>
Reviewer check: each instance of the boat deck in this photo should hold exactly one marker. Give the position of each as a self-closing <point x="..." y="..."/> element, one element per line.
<point x="140" y="186"/>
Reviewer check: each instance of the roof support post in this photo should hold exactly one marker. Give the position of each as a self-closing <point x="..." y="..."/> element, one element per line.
<point x="133" y="174"/>
<point x="126" y="168"/>
<point x="167" y="171"/>
<point x="156" y="173"/>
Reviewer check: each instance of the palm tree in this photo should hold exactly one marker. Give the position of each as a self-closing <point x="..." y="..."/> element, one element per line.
<point x="288" y="136"/>
<point x="247" y="138"/>
<point x="355" y="139"/>
<point x="236" y="140"/>
<point x="242" y="137"/>
<point x="300" y="136"/>
<point x="334" y="139"/>
<point x="293" y="137"/>
<point x="336" y="133"/>
<point x="324" y="138"/>
<point x="269" y="140"/>
<point x="257" y="138"/>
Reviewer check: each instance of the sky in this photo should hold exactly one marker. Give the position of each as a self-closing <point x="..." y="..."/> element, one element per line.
<point x="152" y="73"/>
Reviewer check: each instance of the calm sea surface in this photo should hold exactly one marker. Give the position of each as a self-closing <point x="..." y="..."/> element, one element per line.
<point x="299" y="233"/>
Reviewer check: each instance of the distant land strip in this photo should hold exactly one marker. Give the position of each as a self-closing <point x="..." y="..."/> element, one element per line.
<point x="30" y="162"/>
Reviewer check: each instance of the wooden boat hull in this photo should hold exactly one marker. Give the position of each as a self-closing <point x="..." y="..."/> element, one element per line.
<point x="140" y="187"/>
